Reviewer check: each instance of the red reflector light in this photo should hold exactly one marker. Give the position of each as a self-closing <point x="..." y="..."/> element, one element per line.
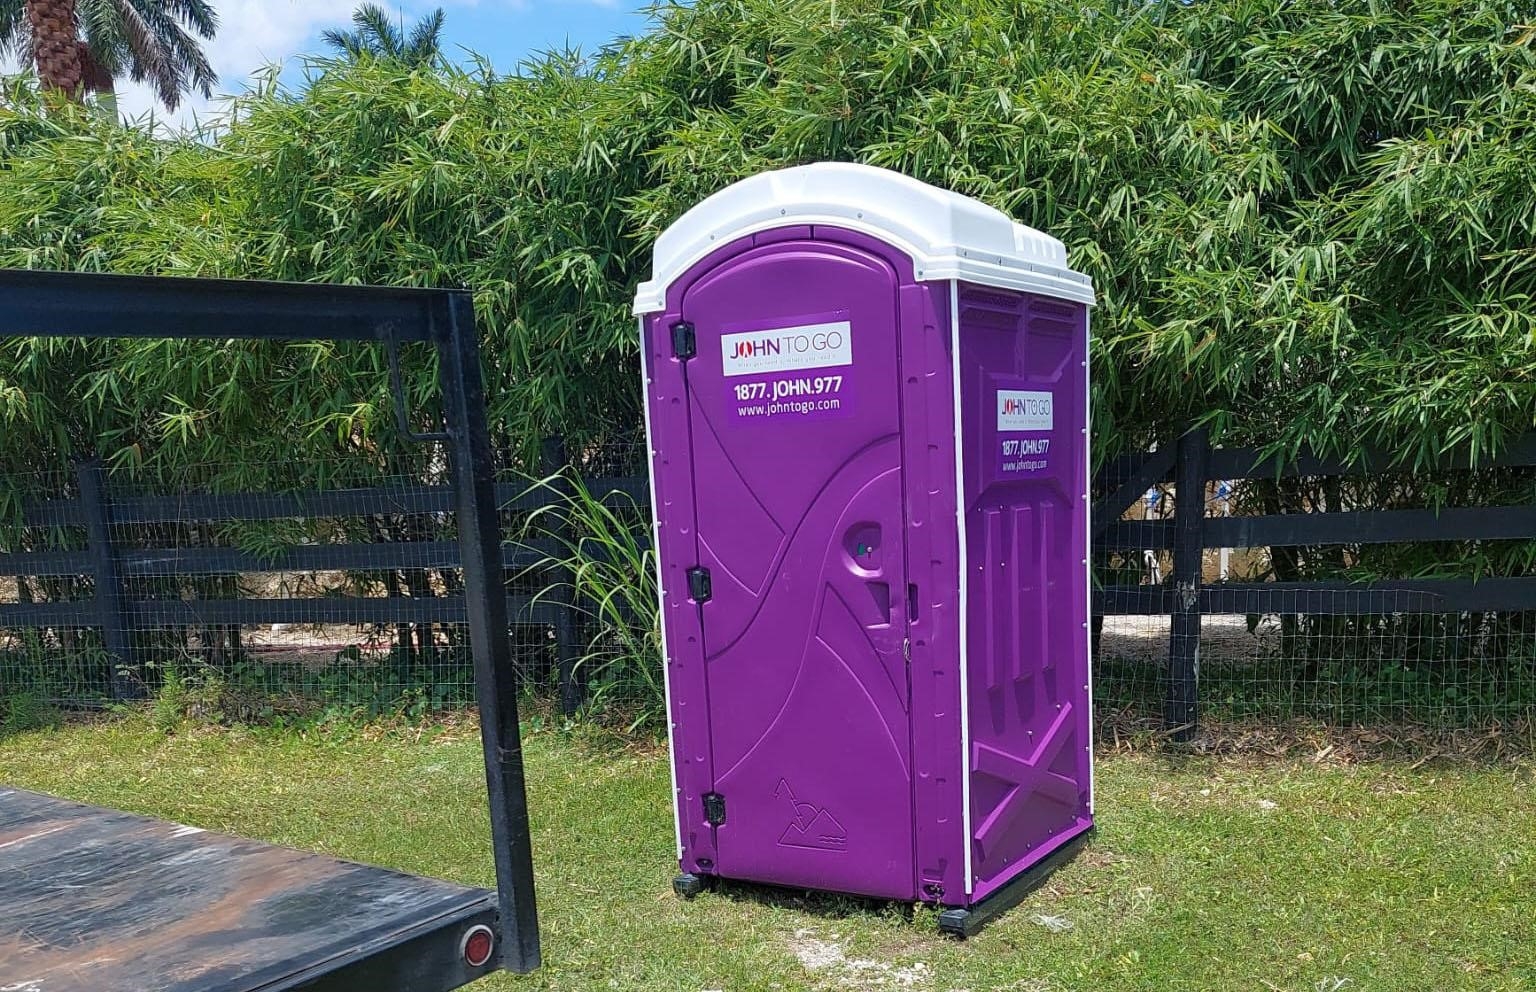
<point x="477" y="945"/>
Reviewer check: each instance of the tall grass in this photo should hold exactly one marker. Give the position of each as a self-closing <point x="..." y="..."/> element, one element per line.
<point x="608" y="571"/>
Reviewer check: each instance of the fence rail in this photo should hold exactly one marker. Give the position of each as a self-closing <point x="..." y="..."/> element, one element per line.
<point x="108" y="564"/>
<point x="1188" y="467"/>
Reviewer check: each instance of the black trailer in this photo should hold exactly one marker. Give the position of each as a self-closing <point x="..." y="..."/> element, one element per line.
<point x="96" y="900"/>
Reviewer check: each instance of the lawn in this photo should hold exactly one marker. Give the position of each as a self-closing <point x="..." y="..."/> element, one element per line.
<point x="1286" y="874"/>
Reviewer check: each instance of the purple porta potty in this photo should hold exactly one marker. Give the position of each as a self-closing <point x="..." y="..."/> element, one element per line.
<point x="867" y="406"/>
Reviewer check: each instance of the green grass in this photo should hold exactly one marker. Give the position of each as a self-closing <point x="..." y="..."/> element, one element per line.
<point x="1205" y="874"/>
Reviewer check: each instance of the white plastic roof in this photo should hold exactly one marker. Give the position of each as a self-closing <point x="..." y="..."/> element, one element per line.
<point x="948" y="236"/>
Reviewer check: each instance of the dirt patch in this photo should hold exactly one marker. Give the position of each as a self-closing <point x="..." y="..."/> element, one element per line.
<point x="1222" y="638"/>
<point x="827" y="958"/>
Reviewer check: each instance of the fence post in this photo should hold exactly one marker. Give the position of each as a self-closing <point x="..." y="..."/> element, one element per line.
<point x="1181" y="710"/>
<point x="572" y="690"/>
<point x="111" y="606"/>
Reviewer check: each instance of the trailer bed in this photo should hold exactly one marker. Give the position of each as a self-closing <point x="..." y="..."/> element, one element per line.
<point x="95" y="900"/>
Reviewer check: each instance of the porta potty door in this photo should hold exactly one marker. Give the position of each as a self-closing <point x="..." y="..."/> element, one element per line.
<point x="794" y="423"/>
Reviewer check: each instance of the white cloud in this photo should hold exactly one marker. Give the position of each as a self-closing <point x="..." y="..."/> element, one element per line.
<point x="254" y="34"/>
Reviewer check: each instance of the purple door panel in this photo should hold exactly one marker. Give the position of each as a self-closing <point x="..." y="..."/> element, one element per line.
<point x="794" y="411"/>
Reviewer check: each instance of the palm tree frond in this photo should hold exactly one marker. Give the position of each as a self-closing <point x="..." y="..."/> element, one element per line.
<point x="373" y="23"/>
<point x="349" y="43"/>
<point x="196" y="14"/>
<point x="15" y="32"/>
<point x="146" y="40"/>
<point x="376" y="35"/>
<point x="425" y="41"/>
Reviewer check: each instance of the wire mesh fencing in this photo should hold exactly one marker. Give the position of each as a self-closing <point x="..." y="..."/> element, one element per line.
<point x="246" y="606"/>
<point x="1353" y="666"/>
<point x="340" y="592"/>
<point x="1343" y="597"/>
<point x="606" y="576"/>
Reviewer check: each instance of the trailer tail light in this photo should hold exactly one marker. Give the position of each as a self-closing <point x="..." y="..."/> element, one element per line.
<point x="477" y="945"/>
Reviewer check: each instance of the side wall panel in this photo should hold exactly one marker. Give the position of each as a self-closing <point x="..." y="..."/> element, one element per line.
<point x="677" y="549"/>
<point x="933" y="551"/>
<point x="1024" y="413"/>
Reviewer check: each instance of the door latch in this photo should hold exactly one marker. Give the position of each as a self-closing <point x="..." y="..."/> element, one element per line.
<point x="685" y="342"/>
<point x="700" y="588"/>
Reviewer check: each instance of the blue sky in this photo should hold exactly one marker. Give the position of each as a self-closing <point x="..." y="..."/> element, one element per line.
<point x="256" y="33"/>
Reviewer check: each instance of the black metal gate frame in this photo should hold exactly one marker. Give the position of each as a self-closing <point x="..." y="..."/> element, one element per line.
<point x="90" y="305"/>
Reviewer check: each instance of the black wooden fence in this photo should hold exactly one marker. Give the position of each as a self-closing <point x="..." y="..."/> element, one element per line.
<point x="1191" y="464"/>
<point x="112" y="567"/>
<point x="114" y="552"/>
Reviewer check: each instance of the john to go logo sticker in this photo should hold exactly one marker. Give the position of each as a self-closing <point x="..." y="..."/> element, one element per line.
<point x="1022" y="416"/>
<point x="787" y="349"/>
<point x="1024" y="410"/>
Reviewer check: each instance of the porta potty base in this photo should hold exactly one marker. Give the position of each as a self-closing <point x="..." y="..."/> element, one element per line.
<point x="866" y="401"/>
<point x="960" y="922"/>
<point x="964" y="921"/>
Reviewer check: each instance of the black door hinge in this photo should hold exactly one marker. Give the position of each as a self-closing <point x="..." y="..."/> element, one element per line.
<point x="685" y="343"/>
<point x="714" y="808"/>
<point x="699" y="586"/>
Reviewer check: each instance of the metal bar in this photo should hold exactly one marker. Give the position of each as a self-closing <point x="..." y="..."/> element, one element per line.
<point x="1181" y="711"/>
<point x="1462" y="523"/>
<point x="255" y="612"/>
<point x="1124" y="466"/>
<point x="427" y="959"/>
<point x="306" y="558"/>
<point x="272" y="506"/>
<point x="81" y="304"/>
<point x="320" y="558"/>
<point x="109" y="603"/>
<point x="1343" y="599"/>
<point x="559" y="579"/>
<point x="1150" y="472"/>
<point x="66" y="614"/>
<point x="1132" y="601"/>
<point x="495" y="679"/>
<point x="520" y="497"/>
<point x="606" y="487"/>
<point x="249" y="506"/>
<point x="1504" y="593"/>
<point x="1458" y="523"/>
<point x="513" y="496"/>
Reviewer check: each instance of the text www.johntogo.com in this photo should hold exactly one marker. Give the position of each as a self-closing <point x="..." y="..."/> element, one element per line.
<point x="789" y="408"/>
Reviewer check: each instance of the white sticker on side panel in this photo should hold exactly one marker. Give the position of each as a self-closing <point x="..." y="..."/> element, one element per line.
<point x="1023" y="410"/>
<point x="786" y="349"/>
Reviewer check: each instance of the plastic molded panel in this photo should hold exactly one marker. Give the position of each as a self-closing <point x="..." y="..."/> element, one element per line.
<point x="1025" y="480"/>
<point x="819" y="690"/>
<point x="945" y="235"/>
